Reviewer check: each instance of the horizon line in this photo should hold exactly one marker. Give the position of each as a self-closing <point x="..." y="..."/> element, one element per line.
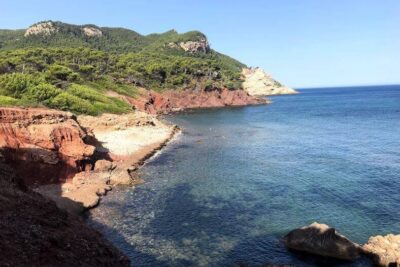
<point x="345" y="86"/>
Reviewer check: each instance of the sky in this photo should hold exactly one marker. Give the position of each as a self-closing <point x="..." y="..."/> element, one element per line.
<point x="302" y="43"/>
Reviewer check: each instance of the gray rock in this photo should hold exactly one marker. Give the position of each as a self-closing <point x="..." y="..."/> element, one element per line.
<point x="320" y="239"/>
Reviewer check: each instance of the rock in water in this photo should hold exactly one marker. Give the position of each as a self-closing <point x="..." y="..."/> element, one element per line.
<point x="385" y="250"/>
<point x="320" y="239"/>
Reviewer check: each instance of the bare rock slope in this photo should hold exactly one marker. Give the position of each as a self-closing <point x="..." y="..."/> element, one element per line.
<point x="257" y="82"/>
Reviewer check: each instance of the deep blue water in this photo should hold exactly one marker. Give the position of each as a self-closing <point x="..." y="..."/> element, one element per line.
<point x="238" y="179"/>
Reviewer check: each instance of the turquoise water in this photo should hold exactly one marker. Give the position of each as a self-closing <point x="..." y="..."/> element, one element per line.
<point x="238" y="179"/>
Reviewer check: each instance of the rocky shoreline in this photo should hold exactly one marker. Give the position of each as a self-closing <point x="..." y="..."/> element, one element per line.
<point x="73" y="162"/>
<point x="57" y="155"/>
<point x="323" y="240"/>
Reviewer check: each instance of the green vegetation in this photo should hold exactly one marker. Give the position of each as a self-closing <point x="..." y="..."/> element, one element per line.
<point x="68" y="70"/>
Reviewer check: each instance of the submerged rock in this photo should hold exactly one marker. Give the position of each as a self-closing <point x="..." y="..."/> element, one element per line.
<point x="320" y="239"/>
<point x="385" y="250"/>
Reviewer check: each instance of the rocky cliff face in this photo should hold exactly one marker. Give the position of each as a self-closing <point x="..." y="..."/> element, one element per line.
<point x="44" y="28"/>
<point x="258" y="82"/>
<point x="92" y="32"/>
<point x="34" y="232"/>
<point x="171" y="101"/>
<point x="201" y="45"/>
<point x="44" y="146"/>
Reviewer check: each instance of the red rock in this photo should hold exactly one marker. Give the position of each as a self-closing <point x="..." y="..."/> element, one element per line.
<point x="43" y="146"/>
<point x="169" y="101"/>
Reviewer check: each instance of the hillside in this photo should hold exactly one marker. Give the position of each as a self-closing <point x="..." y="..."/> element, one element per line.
<point x="90" y="69"/>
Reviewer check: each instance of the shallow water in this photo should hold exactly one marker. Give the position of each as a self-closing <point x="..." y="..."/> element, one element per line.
<point x="239" y="179"/>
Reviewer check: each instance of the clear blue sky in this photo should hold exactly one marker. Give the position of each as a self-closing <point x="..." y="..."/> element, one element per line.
<point x="303" y="43"/>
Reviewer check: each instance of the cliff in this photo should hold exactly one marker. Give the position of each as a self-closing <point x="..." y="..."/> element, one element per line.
<point x="258" y="82"/>
<point x="44" y="146"/>
<point x="172" y="101"/>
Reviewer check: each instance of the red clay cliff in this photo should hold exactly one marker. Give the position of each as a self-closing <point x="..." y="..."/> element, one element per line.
<point x="42" y="145"/>
<point x="170" y="101"/>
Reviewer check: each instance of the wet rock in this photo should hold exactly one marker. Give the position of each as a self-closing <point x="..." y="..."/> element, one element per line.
<point x="385" y="250"/>
<point x="320" y="239"/>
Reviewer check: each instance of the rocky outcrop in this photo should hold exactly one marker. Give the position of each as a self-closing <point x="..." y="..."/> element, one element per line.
<point x="34" y="232"/>
<point x="320" y="239"/>
<point x="92" y="32"/>
<point x="258" y="82"/>
<point x="200" y="45"/>
<point x="43" y="28"/>
<point x="122" y="144"/>
<point x="171" y="101"/>
<point x="385" y="250"/>
<point x="44" y="146"/>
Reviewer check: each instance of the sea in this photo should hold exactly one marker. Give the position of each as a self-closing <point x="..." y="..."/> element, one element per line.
<point x="236" y="180"/>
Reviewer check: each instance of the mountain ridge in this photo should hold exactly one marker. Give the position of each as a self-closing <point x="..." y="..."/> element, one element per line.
<point x="91" y="69"/>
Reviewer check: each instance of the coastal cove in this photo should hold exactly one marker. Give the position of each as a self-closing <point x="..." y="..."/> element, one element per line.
<point x="238" y="179"/>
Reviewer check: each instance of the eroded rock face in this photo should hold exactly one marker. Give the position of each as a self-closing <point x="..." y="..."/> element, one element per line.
<point x="171" y="101"/>
<point x="44" y="146"/>
<point x="258" y="82"/>
<point x="44" y="28"/>
<point x="384" y="249"/>
<point x="34" y="232"/>
<point x="320" y="239"/>
<point x="92" y="32"/>
<point x="195" y="46"/>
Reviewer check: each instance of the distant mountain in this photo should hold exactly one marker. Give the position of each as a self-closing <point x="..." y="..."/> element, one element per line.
<point x="75" y="67"/>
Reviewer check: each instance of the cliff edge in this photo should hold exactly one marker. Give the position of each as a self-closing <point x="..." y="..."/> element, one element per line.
<point x="259" y="83"/>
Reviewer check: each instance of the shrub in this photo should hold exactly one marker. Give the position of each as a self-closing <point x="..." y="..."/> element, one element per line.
<point x="8" y="101"/>
<point x="86" y="93"/>
<point x="61" y="73"/>
<point x="65" y="101"/>
<point x="42" y="93"/>
<point x="16" y="84"/>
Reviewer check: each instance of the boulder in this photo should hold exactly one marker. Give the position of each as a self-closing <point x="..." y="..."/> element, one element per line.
<point x="323" y="240"/>
<point x="385" y="250"/>
<point x="104" y="165"/>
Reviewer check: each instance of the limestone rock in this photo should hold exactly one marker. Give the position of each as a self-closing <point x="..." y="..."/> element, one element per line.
<point x="92" y="31"/>
<point x="201" y="45"/>
<point x="384" y="249"/>
<point x="44" y="28"/>
<point x="320" y="239"/>
<point x="258" y="82"/>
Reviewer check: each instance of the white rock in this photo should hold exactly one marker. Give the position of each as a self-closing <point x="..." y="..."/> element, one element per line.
<point x="258" y="82"/>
